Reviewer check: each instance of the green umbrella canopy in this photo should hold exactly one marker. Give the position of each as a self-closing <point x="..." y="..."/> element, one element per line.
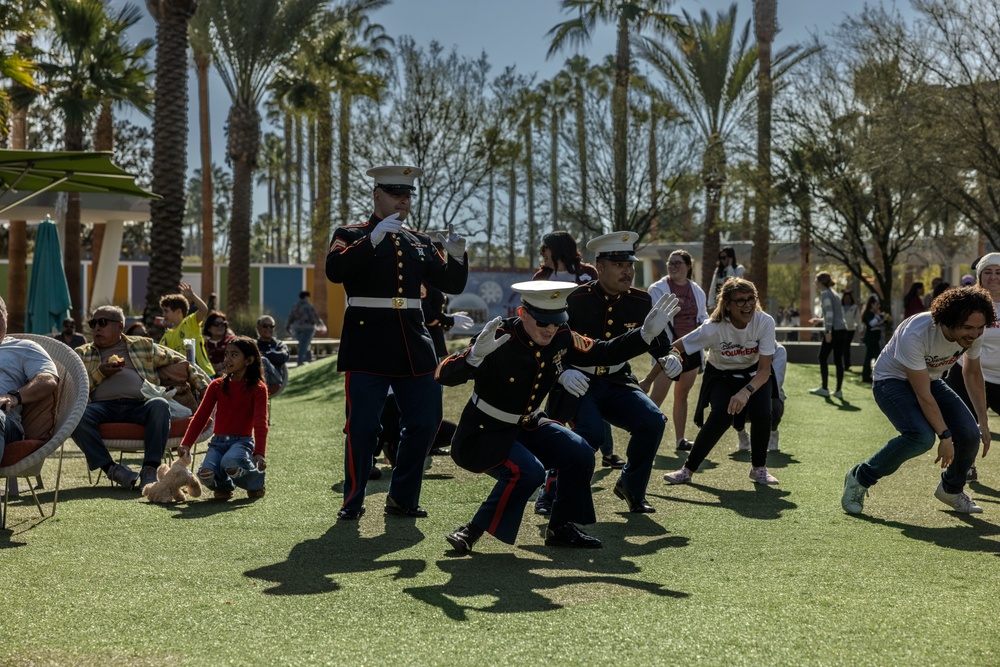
<point x="48" y="294"/>
<point x="23" y="174"/>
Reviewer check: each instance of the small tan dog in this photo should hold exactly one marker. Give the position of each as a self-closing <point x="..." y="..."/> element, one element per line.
<point x="171" y="480"/>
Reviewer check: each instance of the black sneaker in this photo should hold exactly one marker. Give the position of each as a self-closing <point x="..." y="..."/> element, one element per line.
<point x="569" y="535"/>
<point x="972" y="475"/>
<point x="123" y="476"/>
<point x="684" y="445"/>
<point x="147" y="475"/>
<point x="392" y="507"/>
<point x="464" y="537"/>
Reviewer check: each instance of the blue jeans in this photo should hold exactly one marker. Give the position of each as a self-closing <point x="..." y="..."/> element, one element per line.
<point x="549" y="445"/>
<point x="898" y="401"/>
<point x="154" y="414"/>
<point x="419" y="401"/>
<point x="229" y="452"/>
<point x="304" y="334"/>
<point x="628" y="409"/>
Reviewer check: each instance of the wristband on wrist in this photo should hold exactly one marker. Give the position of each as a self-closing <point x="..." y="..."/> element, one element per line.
<point x="16" y="394"/>
<point x="944" y="435"/>
<point x="750" y="389"/>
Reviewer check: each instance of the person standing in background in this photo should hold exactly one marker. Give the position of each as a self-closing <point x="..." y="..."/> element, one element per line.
<point x="303" y="321"/>
<point x="834" y="335"/>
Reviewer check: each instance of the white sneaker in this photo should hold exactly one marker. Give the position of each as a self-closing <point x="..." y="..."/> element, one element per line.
<point x="744" y="439"/>
<point x="838" y="394"/>
<point x="762" y="476"/>
<point x="682" y="476"/>
<point x="853" y="498"/>
<point x="960" y="502"/>
<point x="772" y="442"/>
<point x="820" y="391"/>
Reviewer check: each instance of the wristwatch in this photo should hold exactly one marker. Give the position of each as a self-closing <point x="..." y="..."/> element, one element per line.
<point x="944" y="435"/>
<point x="16" y="394"/>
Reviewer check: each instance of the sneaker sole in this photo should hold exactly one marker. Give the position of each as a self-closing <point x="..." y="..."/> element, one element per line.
<point x="668" y="480"/>
<point x="848" y="507"/>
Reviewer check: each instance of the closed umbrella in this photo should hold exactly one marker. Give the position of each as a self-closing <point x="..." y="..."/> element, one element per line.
<point x="48" y="293"/>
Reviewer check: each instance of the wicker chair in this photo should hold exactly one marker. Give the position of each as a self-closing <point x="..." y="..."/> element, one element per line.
<point x="25" y="458"/>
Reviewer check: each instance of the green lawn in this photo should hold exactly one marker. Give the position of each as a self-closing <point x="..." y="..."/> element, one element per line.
<point x="725" y="573"/>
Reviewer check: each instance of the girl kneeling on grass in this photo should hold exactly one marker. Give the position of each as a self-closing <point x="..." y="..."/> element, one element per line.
<point x="235" y="457"/>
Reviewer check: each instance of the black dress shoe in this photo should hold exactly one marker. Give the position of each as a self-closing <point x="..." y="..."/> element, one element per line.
<point x="349" y="514"/>
<point x="392" y="507"/>
<point x="613" y="461"/>
<point x="634" y="506"/>
<point x="568" y="535"/>
<point x="684" y="445"/>
<point x="463" y="538"/>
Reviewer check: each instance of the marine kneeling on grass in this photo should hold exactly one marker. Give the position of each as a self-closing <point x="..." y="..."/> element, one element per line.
<point x="514" y="362"/>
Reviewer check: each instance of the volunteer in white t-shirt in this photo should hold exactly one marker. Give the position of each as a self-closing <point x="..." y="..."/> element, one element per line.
<point x="737" y="387"/>
<point x="987" y="270"/>
<point x="908" y="388"/>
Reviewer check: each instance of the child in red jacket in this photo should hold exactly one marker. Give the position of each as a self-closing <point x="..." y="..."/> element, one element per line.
<point x="236" y="452"/>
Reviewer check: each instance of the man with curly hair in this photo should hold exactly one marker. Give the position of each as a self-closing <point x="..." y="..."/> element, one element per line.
<point x="910" y="391"/>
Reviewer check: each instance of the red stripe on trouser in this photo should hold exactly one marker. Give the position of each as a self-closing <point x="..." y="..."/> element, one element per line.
<point x="505" y="496"/>
<point x="352" y="482"/>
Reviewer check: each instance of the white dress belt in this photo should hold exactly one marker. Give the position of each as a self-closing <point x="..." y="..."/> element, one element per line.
<point x="396" y="302"/>
<point x="600" y="370"/>
<point x="497" y="413"/>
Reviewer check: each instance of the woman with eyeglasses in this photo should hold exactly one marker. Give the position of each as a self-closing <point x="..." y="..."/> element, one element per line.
<point x="217" y="338"/>
<point x="737" y="387"/>
<point x="726" y="268"/>
<point x="562" y="261"/>
<point x="692" y="314"/>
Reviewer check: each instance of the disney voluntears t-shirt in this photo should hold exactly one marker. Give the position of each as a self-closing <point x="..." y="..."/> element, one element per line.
<point x="918" y="344"/>
<point x="730" y="348"/>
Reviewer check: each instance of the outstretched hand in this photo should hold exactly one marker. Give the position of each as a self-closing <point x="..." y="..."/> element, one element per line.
<point x="487" y="342"/>
<point x="660" y="316"/>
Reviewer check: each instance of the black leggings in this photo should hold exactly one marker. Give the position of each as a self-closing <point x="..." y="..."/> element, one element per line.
<point x="838" y="345"/>
<point x="956" y="381"/>
<point x="758" y="414"/>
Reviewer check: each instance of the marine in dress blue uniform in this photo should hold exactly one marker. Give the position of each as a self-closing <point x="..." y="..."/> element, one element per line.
<point x="514" y="362"/>
<point x="384" y="342"/>
<point x="604" y="309"/>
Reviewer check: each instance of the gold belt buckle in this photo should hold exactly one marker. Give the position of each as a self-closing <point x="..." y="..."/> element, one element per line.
<point x="398" y="302"/>
<point x="601" y="370"/>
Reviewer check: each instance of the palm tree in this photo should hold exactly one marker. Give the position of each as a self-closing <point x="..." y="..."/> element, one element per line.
<point x="22" y="19"/>
<point x="251" y="38"/>
<point x="555" y="91"/>
<point x="87" y="65"/>
<point x="625" y="14"/>
<point x="170" y="131"/>
<point x="765" y="25"/>
<point x="201" y="48"/>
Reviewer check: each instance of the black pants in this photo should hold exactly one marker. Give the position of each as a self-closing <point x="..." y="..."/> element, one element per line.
<point x="758" y="415"/>
<point x="838" y="345"/>
<point x="956" y="381"/>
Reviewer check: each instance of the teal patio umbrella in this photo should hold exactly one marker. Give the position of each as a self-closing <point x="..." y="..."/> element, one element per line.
<point x="48" y="294"/>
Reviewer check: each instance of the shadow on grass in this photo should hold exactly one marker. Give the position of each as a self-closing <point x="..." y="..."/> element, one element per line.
<point x="518" y="585"/>
<point x="312" y="566"/>
<point x="777" y="459"/>
<point x="971" y="537"/>
<point x="320" y="378"/>
<point x="760" y="502"/>
<point x="983" y="490"/>
<point x="199" y="509"/>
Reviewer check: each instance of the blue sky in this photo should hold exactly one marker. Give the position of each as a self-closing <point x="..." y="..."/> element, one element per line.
<point x="513" y="32"/>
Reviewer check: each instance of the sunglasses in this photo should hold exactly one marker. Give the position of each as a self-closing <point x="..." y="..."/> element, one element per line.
<point x="101" y="322"/>
<point x="266" y="326"/>
<point x="749" y="301"/>
<point x="220" y="323"/>
<point x="677" y="263"/>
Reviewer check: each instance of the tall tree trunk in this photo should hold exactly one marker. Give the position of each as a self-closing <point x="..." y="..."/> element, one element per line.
<point x="654" y="179"/>
<point x="298" y="189"/>
<point x="321" y="215"/>
<point x="619" y="117"/>
<point x="170" y="131"/>
<point x="805" y="275"/>
<point x="714" y="177"/>
<point x="344" y="155"/>
<point x="529" y="175"/>
<point x="17" y="276"/>
<point x="581" y="148"/>
<point x="490" y="213"/>
<point x="71" y="258"/>
<point x="104" y="140"/>
<point x="765" y="25"/>
<point x="289" y="189"/>
<point x="512" y="215"/>
<point x="554" y="167"/>
<point x="201" y="63"/>
<point x="243" y="149"/>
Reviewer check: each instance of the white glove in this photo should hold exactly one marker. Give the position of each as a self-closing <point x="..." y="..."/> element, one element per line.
<point x="660" y="316"/>
<point x="462" y="322"/>
<point x="671" y="365"/>
<point x="389" y="225"/>
<point x="486" y="342"/>
<point x="454" y="244"/>
<point x="575" y="382"/>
